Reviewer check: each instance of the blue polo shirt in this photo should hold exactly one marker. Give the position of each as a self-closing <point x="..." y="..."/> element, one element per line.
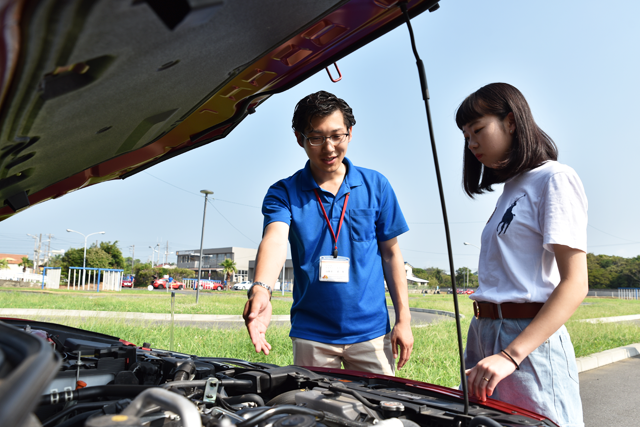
<point x="331" y="312"/>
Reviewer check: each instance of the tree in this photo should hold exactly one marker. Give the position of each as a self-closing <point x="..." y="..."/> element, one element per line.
<point x="55" y="261"/>
<point x="26" y="263"/>
<point x="228" y="268"/>
<point x="4" y="263"/>
<point x="97" y="258"/>
<point x="461" y="277"/>
<point x="117" y="260"/>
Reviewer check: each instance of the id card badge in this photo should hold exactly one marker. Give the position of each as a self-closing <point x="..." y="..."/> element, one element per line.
<point x="334" y="269"/>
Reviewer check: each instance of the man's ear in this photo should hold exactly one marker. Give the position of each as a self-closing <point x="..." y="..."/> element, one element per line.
<point x="299" y="138"/>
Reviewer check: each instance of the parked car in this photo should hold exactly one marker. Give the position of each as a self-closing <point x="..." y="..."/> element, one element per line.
<point x="163" y="284"/>
<point x="212" y="286"/>
<point x="128" y="282"/>
<point x="242" y="286"/>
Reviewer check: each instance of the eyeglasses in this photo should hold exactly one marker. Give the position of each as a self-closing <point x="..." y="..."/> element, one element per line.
<point x="335" y="139"/>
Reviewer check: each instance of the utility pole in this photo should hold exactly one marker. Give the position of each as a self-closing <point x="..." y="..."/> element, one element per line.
<point x="39" y="250"/>
<point x="166" y="253"/>
<point x="133" y="256"/>
<point x="49" y="249"/>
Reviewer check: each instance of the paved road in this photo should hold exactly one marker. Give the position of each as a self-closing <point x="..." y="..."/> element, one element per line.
<point x="610" y="394"/>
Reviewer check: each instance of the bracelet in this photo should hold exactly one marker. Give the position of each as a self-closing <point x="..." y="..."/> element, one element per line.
<point x="511" y="358"/>
<point x="262" y="285"/>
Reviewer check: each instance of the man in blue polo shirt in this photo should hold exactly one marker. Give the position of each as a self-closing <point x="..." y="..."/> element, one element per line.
<point x="342" y="222"/>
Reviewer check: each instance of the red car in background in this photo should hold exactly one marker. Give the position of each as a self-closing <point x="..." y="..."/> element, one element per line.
<point x="164" y="283"/>
<point x="214" y="286"/>
<point x="127" y="283"/>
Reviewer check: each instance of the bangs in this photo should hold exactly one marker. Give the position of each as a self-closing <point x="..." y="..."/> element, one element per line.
<point x="472" y="108"/>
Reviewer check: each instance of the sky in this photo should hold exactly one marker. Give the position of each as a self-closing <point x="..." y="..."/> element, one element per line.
<point x="576" y="62"/>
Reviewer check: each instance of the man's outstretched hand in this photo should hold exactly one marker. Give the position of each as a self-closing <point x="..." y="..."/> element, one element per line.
<point x="257" y="316"/>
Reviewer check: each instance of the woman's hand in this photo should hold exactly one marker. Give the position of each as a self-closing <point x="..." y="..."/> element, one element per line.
<point x="483" y="378"/>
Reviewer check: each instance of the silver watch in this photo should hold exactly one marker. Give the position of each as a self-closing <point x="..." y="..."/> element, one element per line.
<point x="263" y="285"/>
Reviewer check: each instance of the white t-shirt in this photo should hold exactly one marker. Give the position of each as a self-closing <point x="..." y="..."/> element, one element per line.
<point x="537" y="209"/>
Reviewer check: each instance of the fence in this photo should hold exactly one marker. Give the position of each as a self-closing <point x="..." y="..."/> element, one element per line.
<point x="52" y="276"/>
<point x="628" y="293"/>
<point x="206" y="283"/>
<point x="111" y="278"/>
<point x="20" y="276"/>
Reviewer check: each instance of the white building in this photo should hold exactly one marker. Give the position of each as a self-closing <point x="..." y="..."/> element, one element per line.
<point x="211" y="259"/>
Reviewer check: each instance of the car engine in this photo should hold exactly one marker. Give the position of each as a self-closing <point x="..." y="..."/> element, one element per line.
<point x="78" y="378"/>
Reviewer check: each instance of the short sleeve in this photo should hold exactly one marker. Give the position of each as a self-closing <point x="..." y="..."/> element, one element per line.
<point x="276" y="206"/>
<point x="391" y="222"/>
<point x="563" y="212"/>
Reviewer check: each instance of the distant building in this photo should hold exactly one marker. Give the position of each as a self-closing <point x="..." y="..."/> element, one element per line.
<point x="13" y="260"/>
<point x="288" y="272"/>
<point x="211" y="259"/>
<point x="411" y="279"/>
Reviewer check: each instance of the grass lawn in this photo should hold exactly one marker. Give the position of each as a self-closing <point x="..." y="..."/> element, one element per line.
<point x="434" y="358"/>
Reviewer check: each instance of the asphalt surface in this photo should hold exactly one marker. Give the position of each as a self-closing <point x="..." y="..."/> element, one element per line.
<point x="609" y="394"/>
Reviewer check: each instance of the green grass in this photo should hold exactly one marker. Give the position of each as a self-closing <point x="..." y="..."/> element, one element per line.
<point x="434" y="359"/>
<point x="210" y="302"/>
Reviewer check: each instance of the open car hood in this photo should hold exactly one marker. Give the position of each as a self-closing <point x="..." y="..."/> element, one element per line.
<point x="46" y="365"/>
<point x="92" y="91"/>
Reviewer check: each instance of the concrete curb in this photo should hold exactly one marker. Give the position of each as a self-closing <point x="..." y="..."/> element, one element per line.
<point x="613" y="319"/>
<point x="439" y="312"/>
<point x="606" y="357"/>
<point x="124" y="315"/>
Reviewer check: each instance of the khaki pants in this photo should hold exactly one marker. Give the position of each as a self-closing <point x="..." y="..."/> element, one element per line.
<point x="374" y="356"/>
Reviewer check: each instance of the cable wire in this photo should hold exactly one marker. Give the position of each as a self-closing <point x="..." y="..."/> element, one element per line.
<point x="425" y="97"/>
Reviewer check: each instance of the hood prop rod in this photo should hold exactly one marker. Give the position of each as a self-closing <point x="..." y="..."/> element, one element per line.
<point x="425" y="97"/>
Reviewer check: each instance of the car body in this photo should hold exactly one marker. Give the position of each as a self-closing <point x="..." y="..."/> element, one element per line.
<point x="242" y="286"/>
<point x="163" y="283"/>
<point x="211" y="285"/>
<point x="137" y="384"/>
<point x="128" y="283"/>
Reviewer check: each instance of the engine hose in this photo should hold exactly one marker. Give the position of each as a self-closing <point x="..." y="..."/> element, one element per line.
<point x="166" y="400"/>
<point x="79" y="406"/>
<point x="185" y="370"/>
<point x="78" y="420"/>
<point x="481" y="421"/>
<point x="225" y="382"/>
<point x="284" y="409"/>
<point x="355" y="394"/>
<point x="234" y="400"/>
<point x="89" y="393"/>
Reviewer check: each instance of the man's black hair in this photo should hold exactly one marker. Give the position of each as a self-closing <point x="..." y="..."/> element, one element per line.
<point x="320" y="104"/>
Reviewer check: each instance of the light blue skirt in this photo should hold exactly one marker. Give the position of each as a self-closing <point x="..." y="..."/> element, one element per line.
<point x="547" y="382"/>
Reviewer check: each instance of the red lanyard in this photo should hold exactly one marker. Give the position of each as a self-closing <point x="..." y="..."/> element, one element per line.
<point x="335" y="236"/>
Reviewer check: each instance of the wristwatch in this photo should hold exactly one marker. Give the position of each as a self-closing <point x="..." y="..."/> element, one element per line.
<point x="262" y="285"/>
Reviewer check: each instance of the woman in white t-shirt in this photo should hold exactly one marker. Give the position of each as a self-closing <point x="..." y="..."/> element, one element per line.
<point x="533" y="265"/>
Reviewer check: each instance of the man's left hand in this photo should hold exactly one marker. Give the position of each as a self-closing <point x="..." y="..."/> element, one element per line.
<point x="401" y="336"/>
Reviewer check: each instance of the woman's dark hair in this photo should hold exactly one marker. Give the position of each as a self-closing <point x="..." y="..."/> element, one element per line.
<point x="530" y="146"/>
<point x="320" y="104"/>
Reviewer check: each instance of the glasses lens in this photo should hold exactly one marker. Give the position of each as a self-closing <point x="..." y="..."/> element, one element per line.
<point x="337" y="139"/>
<point x="316" y="140"/>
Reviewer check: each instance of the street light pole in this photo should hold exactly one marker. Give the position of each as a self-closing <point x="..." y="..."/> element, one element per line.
<point x="84" y="258"/>
<point x="204" y="216"/>
<point x="469" y="244"/>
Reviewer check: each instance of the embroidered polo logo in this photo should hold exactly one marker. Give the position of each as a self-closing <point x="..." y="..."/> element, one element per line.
<point x="508" y="217"/>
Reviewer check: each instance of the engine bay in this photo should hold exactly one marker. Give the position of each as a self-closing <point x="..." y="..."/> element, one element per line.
<point x="102" y="381"/>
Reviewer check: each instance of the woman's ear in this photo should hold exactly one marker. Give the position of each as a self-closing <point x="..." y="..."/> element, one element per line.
<point x="511" y="122"/>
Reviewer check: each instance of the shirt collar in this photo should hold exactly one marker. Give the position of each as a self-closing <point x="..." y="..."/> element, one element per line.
<point x="353" y="178"/>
